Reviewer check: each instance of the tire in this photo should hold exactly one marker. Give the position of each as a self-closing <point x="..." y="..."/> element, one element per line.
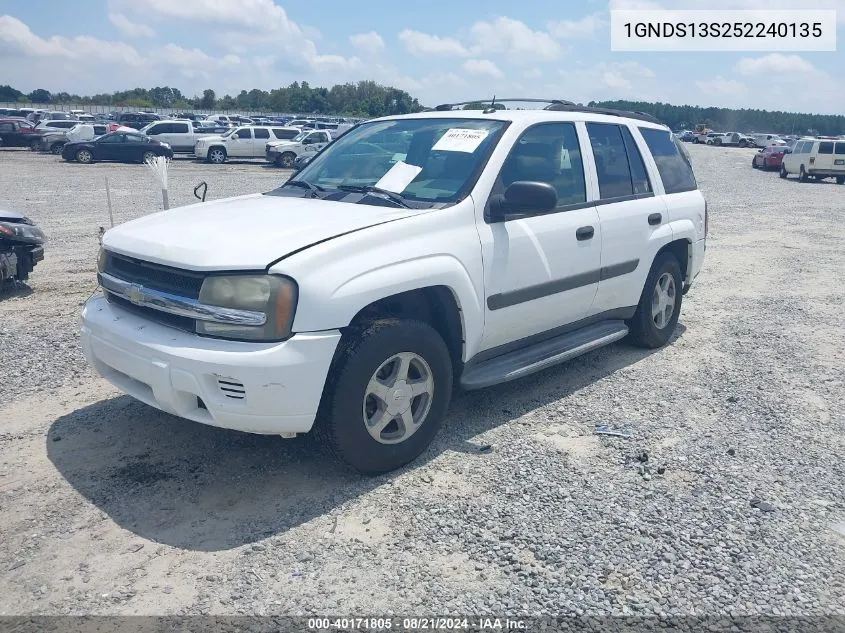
<point x="754" y="164"/>
<point x="34" y="145"/>
<point x="695" y="141"/>
<point x="840" y="180"/>
<point x="743" y="143"/>
<point x="84" y="156"/>
<point x="56" y="148"/>
<point x="347" y="401"/>
<point x="287" y="159"/>
<point x="717" y="141"/>
<point x="647" y="328"/>
<point x="783" y="172"/>
<point x="148" y="156"/>
<point x="802" y="175"/>
<point x="217" y="155"/>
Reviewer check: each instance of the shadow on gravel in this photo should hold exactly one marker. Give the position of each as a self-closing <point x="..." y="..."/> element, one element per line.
<point x="14" y="289"/>
<point x="201" y="488"/>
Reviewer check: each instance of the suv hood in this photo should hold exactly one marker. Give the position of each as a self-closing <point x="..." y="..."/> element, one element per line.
<point x="244" y="233"/>
<point x="283" y="143"/>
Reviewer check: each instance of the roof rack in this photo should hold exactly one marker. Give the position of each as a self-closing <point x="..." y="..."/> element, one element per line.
<point x="559" y="105"/>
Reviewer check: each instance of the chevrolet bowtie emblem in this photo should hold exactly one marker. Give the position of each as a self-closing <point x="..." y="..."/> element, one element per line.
<point x="135" y="294"/>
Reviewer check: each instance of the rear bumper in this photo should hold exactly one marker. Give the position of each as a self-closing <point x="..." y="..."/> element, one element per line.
<point x="265" y="388"/>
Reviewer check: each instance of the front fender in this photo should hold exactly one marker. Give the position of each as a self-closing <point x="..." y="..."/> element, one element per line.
<point x="337" y="307"/>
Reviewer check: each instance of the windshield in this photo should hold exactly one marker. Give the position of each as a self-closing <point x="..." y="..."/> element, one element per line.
<point x="431" y="160"/>
<point x="300" y="136"/>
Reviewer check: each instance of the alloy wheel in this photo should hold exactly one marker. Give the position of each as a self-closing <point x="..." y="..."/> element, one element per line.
<point x="663" y="301"/>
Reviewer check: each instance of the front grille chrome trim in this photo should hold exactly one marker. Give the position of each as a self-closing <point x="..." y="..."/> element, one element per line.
<point x="144" y="297"/>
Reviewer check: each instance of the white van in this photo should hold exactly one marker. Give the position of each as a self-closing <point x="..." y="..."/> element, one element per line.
<point x="816" y="158"/>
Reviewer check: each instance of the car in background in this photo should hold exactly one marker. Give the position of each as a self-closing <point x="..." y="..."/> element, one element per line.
<point x="137" y="120"/>
<point x="240" y="142"/>
<point x="816" y="158"/>
<point x="17" y="132"/>
<point x="687" y="136"/>
<point x="122" y="147"/>
<point x="770" y="158"/>
<point x="53" y="142"/>
<point x="49" y="127"/>
<point x="730" y="139"/>
<point x="765" y="140"/>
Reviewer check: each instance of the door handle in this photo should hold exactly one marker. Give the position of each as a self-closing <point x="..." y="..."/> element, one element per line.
<point x="654" y="219"/>
<point x="585" y="233"/>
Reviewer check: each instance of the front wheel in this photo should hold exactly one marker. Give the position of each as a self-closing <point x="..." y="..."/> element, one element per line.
<point x="84" y="156"/>
<point x="34" y="145"/>
<point x="148" y="156"/>
<point x="388" y="390"/>
<point x="783" y="172"/>
<point x="217" y="155"/>
<point x="56" y="148"/>
<point x="287" y="159"/>
<point x="660" y="304"/>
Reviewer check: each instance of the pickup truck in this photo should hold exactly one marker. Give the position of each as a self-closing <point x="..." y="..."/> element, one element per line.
<point x="308" y="142"/>
<point x="180" y="135"/>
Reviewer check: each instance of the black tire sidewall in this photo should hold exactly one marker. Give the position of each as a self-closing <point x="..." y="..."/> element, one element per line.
<point x="287" y="160"/>
<point x="359" y="360"/>
<point x="644" y="331"/>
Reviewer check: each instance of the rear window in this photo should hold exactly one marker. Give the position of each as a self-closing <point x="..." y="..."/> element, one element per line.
<point x="179" y="128"/>
<point x="840" y="149"/>
<point x="261" y="133"/>
<point x="672" y="164"/>
<point x="826" y="147"/>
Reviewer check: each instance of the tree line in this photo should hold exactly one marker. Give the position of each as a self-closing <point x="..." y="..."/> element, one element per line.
<point x="364" y="98"/>
<point x="733" y="120"/>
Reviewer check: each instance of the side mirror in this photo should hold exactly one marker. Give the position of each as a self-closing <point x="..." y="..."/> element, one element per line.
<point x="522" y="199"/>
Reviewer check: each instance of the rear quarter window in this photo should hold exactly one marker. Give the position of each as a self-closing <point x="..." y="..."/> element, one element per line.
<point x="673" y="164"/>
<point x="839" y="150"/>
<point x="826" y="147"/>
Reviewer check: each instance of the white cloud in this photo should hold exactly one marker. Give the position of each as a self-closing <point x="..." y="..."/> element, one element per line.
<point x="128" y="27"/>
<point x="17" y="38"/>
<point x="482" y="67"/>
<point x="421" y="44"/>
<point x="370" y="43"/>
<point x="534" y="73"/>
<point x="774" y="63"/>
<point x="585" y="27"/>
<point x="721" y="86"/>
<point x="512" y="37"/>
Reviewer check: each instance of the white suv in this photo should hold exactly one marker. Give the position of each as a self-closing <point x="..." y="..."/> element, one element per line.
<point x="415" y="253"/>
<point x="817" y="159"/>
<point x="240" y="142"/>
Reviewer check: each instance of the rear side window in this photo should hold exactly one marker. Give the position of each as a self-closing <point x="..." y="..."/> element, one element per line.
<point x="839" y="149"/>
<point x="826" y="147"/>
<point x="259" y="133"/>
<point x="619" y="166"/>
<point x="243" y="134"/>
<point x="158" y="129"/>
<point x="672" y="164"/>
<point x="179" y="128"/>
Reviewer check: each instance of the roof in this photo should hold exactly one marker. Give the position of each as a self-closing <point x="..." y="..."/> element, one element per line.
<point x="529" y="116"/>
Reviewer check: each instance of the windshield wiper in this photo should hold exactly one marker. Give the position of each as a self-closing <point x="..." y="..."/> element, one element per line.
<point x="314" y="189"/>
<point x="392" y="195"/>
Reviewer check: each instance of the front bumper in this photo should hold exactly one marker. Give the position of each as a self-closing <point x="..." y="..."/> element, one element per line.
<point x="201" y="151"/>
<point x="266" y="388"/>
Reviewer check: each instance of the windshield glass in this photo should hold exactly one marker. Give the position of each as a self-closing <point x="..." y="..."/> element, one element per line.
<point x="230" y="132"/>
<point x="300" y="136"/>
<point x="431" y="160"/>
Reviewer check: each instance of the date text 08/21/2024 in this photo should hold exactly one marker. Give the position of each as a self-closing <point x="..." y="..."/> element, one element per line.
<point x="416" y="624"/>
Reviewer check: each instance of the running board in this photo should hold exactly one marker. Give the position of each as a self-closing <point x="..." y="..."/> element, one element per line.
<point x="528" y="360"/>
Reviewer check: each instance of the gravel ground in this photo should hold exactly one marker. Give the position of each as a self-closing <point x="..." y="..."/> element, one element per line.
<point x="110" y="507"/>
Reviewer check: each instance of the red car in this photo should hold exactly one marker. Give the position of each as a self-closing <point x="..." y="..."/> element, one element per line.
<point x="769" y="157"/>
<point x="16" y="132"/>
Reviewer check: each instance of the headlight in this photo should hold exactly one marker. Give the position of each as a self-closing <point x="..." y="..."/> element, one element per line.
<point x="102" y="260"/>
<point x="23" y="231"/>
<point x="273" y="295"/>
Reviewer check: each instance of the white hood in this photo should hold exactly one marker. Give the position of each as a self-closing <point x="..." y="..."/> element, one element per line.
<point x="243" y="233"/>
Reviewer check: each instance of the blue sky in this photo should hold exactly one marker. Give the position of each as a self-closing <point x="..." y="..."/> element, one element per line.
<point x="437" y="50"/>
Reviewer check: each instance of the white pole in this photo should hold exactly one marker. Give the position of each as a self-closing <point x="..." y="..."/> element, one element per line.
<point x="108" y="198"/>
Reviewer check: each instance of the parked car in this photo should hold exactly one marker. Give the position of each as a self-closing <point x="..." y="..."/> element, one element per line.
<point x="137" y="120"/>
<point x="284" y="153"/>
<point x="21" y="246"/>
<point x="730" y="139"/>
<point x="765" y="140"/>
<point x="686" y="136"/>
<point x="116" y="146"/>
<point x="53" y="142"/>
<point x="353" y="297"/>
<point x="180" y="135"/>
<point x="817" y="159"/>
<point x="239" y="142"/>
<point x="769" y="157"/>
<point x="17" y="132"/>
<point x="50" y="127"/>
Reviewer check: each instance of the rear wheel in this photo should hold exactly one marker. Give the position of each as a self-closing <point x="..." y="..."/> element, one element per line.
<point x="754" y="163"/>
<point x="84" y="156"/>
<point x="840" y="180"/>
<point x="802" y="175"/>
<point x="660" y="304"/>
<point x="783" y="172"/>
<point x="388" y="390"/>
<point x="34" y="145"/>
<point x="56" y="148"/>
<point x="217" y="155"/>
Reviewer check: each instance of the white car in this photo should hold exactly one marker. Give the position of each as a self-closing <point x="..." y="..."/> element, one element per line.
<point x="284" y="153"/>
<point x="240" y="142"/>
<point x="177" y="133"/>
<point x="767" y="140"/>
<point x="416" y="252"/>
<point x="817" y="159"/>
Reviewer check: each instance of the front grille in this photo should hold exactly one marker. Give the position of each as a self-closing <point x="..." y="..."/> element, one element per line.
<point x="184" y="283"/>
<point x="165" y="318"/>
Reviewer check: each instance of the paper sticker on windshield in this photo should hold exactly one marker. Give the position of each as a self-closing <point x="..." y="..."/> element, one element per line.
<point x="398" y="177"/>
<point x="459" y="139"/>
<point x="565" y="163"/>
